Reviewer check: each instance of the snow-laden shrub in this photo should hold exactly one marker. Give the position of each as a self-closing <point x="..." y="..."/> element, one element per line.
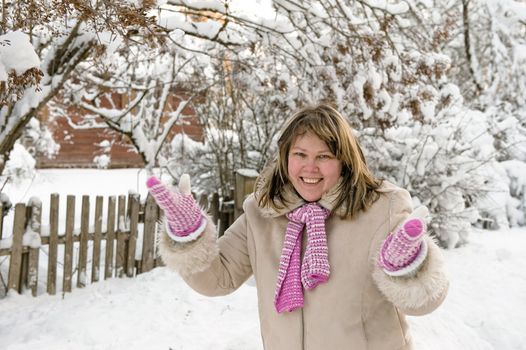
<point x="38" y="140"/>
<point x="5" y="202"/>
<point x="508" y="128"/>
<point x="102" y="161"/>
<point x="21" y="164"/>
<point x="442" y="158"/>
<point x="516" y="202"/>
<point x="493" y="205"/>
<point x="184" y="155"/>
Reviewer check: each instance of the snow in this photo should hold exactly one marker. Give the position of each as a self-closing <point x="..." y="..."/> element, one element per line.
<point x="21" y="164"/>
<point x="102" y="161"/>
<point x="16" y="53"/>
<point x="32" y="239"/>
<point x="248" y="172"/>
<point x="393" y="9"/>
<point x="485" y="308"/>
<point x="153" y="311"/>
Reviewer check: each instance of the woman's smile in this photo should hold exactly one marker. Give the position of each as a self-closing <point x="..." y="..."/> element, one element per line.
<point x="310" y="180"/>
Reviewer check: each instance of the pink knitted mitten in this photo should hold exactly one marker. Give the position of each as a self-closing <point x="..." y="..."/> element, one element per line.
<point x="184" y="219"/>
<point x="404" y="250"/>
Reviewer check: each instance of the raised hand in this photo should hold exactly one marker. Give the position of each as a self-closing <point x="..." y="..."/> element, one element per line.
<point x="404" y="249"/>
<point x="184" y="218"/>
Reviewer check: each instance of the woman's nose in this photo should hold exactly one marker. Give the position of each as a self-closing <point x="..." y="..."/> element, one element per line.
<point x="310" y="164"/>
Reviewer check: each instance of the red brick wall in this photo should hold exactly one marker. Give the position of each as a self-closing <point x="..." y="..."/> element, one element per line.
<point x="79" y="145"/>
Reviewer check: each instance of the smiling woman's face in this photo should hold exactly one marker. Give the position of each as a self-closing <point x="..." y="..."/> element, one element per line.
<point x="313" y="169"/>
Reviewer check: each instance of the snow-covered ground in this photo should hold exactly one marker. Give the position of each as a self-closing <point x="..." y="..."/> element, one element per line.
<point x="485" y="308"/>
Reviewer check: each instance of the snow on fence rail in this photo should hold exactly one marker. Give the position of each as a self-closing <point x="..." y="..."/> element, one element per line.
<point x="125" y="246"/>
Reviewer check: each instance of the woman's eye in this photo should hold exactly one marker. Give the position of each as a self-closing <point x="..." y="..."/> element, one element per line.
<point x="324" y="156"/>
<point x="299" y="154"/>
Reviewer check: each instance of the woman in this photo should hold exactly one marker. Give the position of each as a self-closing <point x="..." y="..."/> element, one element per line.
<point x="338" y="256"/>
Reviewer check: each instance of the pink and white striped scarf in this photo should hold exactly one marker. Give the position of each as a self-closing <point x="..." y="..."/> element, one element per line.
<point x="315" y="267"/>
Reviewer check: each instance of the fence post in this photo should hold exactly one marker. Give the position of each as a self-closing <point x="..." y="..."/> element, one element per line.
<point x="134" y="204"/>
<point x="24" y="265"/>
<point x="214" y="207"/>
<point x="15" y="262"/>
<point x="245" y="180"/>
<point x="95" y="266"/>
<point x="110" y="237"/>
<point x="1" y="219"/>
<point x="35" y="220"/>
<point x="120" y="259"/>
<point x="82" y="278"/>
<point x="53" y="245"/>
<point x="148" y="244"/>
<point x="226" y="214"/>
<point x="68" y="244"/>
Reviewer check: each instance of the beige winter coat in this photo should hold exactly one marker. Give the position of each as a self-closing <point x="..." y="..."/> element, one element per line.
<point x="360" y="307"/>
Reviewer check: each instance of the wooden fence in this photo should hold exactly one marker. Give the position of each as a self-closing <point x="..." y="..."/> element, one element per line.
<point x="130" y="225"/>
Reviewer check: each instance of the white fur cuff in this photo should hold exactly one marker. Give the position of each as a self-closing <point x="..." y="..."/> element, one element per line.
<point x="421" y="292"/>
<point x="190" y="257"/>
<point x="192" y="236"/>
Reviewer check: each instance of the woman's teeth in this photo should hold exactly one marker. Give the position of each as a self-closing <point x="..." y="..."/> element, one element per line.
<point x="310" y="181"/>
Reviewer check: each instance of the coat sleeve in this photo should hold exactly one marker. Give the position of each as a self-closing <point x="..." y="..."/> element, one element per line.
<point x="421" y="292"/>
<point x="209" y="265"/>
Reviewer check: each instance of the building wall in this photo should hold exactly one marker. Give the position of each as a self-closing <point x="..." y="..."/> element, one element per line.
<point x="79" y="145"/>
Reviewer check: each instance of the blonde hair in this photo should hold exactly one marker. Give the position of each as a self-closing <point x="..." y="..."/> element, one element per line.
<point x="358" y="188"/>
